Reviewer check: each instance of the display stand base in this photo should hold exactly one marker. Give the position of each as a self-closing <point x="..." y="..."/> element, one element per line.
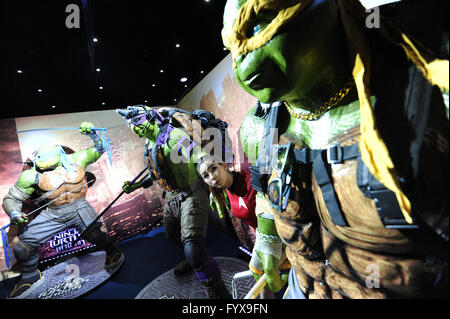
<point x="73" y="277"/>
<point x="169" y="286"/>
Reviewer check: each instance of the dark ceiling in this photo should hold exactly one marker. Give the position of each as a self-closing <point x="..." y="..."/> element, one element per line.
<point x="136" y="40"/>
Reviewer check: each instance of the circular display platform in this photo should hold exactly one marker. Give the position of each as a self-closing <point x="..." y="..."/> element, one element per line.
<point x="73" y="277"/>
<point x="168" y="286"/>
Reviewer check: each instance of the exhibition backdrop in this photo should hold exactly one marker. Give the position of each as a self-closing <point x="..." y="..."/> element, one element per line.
<point x="133" y="213"/>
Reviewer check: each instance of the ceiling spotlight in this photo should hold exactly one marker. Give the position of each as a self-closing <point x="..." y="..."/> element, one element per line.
<point x="183" y="79"/>
<point x="174" y="100"/>
<point x="19" y="71"/>
<point x="97" y="69"/>
<point x="177" y="45"/>
<point x="103" y="103"/>
<point x="225" y="49"/>
<point x="145" y="101"/>
<point x="39" y="90"/>
<point x="162" y="71"/>
<point x="202" y="71"/>
<point x="185" y="86"/>
<point x="100" y="87"/>
<point x="95" y="39"/>
<point x="153" y="85"/>
<point x="53" y="106"/>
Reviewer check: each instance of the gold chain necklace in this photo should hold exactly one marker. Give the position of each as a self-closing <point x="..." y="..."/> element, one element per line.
<point x="324" y="107"/>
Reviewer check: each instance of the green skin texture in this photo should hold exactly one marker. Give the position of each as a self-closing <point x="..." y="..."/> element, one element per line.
<point x="26" y="181"/>
<point x="304" y="64"/>
<point x="275" y="281"/>
<point x="215" y="206"/>
<point x="184" y="172"/>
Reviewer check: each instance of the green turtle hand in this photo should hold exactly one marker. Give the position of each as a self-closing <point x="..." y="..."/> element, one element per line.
<point x="215" y="206"/>
<point x="85" y="127"/>
<point x="267" y="254"/>
<point x="128" y="188"/>
<point x="212" y="202"/>
<point x="17" y="218"/>
<point x="269" y="265"/>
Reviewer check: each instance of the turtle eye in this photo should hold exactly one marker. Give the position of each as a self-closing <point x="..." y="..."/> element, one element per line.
<point x="260" y="22"/>
<point x="256" y="29"/>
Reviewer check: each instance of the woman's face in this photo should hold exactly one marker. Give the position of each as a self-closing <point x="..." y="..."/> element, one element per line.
<point x="215" y="175"/>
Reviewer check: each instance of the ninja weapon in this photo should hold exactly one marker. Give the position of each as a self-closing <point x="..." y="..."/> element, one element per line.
<point x="103" y="131"/>
<point x="108" y="207"/>
<point x="29" y="163"/>
<point x="256" y="289"/>
<point x="6" y="248"/>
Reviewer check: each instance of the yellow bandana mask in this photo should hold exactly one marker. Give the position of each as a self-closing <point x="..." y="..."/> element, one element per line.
<point x="235" y="38"/>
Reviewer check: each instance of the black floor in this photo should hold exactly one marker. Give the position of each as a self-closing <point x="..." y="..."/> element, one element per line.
<point x="148" y="256"/>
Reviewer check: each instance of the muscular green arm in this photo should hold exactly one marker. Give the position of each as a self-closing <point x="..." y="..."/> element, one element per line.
<point x="20" y="191"/>
<point x="267" y="254"/>
<point x="268" y="246"/>
<point x="27" y="181"/>
<point x="86" y="157"/>
<point x="90" y="155"/>
<point x="251" y="132"/>
<point x="182" y="168"/>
